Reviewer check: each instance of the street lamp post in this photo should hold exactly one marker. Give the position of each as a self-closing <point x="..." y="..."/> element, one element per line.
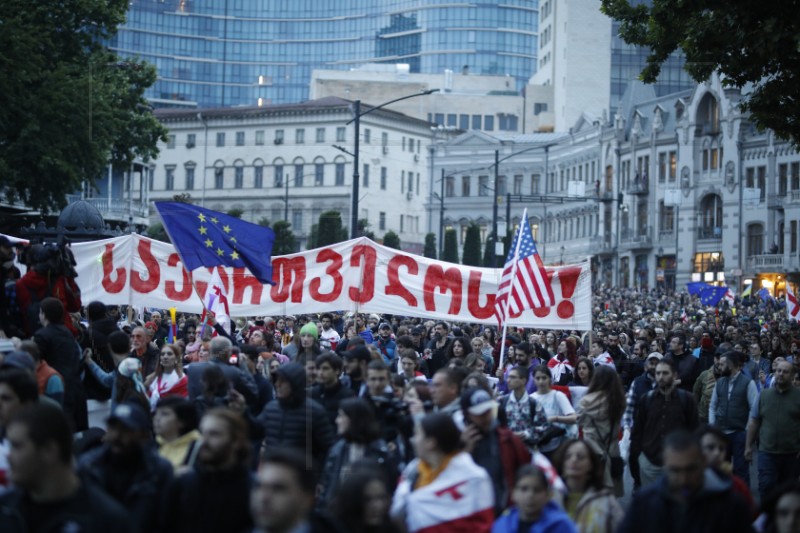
<point x="357" y="126"/>
<point x="441" y="219"/>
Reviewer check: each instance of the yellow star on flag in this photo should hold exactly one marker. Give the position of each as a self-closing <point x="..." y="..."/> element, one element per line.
<point x="226" y="228"/>
<point x="202" y="217"/>
<point x="233" y="239"/>
<point x="234" y="255"/>
<point x="214" y="220"/>
<point x="209" y="243"/>
<point x="220" y="252"/>
<point x="202" y="230"/>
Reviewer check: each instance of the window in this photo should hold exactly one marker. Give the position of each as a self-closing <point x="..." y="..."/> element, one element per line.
<point x="477" y="120"/>
<point x="517" y="184"/>
<point x="705" y="159"/>
<point x="535" y="180"/>
<point x="367" y="136"/>
<point x="258" y="177"/>
<point x="171" y="141"/>
<point x="278" y="181"/>
<point x="750" y="177"/>
<point x="762" y="181"/>
<point x="795" y="176"/>
<point x="755" y="239"/>
<point x="711" y="217"/>
<point x="465" y="183"/>
<point x="170" y="178"/>
<point x="383" y="178"/>
<point x="783" y="172"/>
<point x="259" y="137"/>
<point x="452" y="119"/>
<point x="189" y="178"/>
<point x="403" y="145"/>
<point x="402" y="181"/>
<point x="463" y="122"/>
<point x="714" y="159"/>
<point x="219" y="178"/>
<point x="365" y="176"/>
<point x="191" y="140"/>
<point x="662" y="166"/>
<point x="339" y="173"/>
<point x="299" y="136"/>
<point x="673" y="165"/>
<point x="402" y="223"/>
<point x="298" y="175"/>
<point x="483" y="185"/>
<point x="449" y="187"/>
<point x="221" y="139"/>
<point x="320" y="135"/>
<point x="340" y="134"/>
<point x="539" y="107"/>
<point x="410" y="182"/>
<point x="297" y="220"/>
<point x="382" y="221"/>
<point x="238" y="177"/>
<point x="488" y="122"/>
<point x="502" y="189"/>
<point x="239" y="138"/>
<point x="319" y="174"/>
<point x="438" y="119"/>
<point x="278" y="136"/>
<point x="384" y="139"/>
<point x="667" y="222"/>
<point x="793" y="236"/>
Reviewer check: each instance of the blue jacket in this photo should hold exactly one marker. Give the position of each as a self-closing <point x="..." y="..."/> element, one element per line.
<point x="553" y="520"/>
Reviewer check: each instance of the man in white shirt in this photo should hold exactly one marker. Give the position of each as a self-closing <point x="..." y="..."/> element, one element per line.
<point x="329" y="337"/>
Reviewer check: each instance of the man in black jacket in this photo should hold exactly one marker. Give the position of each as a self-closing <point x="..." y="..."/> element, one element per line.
<point x="329" y="390"/>
<point x="689" y="497"/>
<point x="287" y="419"/>
<point x="128" y="467"/>
<point x="60" y="350"/>
<point x="219" y="353"/>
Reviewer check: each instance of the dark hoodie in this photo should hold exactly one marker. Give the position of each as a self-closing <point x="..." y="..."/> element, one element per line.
<point x="286" y="421"/>
<point x="714" y="508"/>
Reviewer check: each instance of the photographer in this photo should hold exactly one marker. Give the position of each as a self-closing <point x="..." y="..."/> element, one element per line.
<point x="51" y="272"/>
<point x="388" y="410"/>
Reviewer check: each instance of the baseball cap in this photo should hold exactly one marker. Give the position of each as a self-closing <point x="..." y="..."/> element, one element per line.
<point x="655" y="355"/>
<point x="19" y="359"/>
<point x="131" y="416"/>
<point x="384" y="325"/>
<point x="476" y="401"/>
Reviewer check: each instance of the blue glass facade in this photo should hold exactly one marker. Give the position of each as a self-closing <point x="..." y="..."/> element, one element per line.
<point x="235" y="52"/>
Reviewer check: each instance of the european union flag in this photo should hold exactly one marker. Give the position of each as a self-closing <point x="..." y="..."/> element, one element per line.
<point x="764" y="294"/>
<point x="208" y="238"/>
<point x="697" y="287"/>
<point x="712" y="295"/>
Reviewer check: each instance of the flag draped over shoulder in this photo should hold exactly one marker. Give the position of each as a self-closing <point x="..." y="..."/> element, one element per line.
<point x="524" y="283"/>
<point x="206" y="238"/>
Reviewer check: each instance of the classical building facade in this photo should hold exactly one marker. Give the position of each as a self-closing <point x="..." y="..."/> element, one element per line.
<point x="672" y="189"/>
<point x="282" y="163"/>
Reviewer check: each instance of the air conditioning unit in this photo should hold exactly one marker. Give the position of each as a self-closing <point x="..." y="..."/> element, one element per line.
<point x="278" y="141"/>
<point x="385" y="149"/>
<point x="409" y="195"/>
<point x="416" y="157"/>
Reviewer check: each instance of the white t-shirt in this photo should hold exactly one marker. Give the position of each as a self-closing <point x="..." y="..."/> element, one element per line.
<point x="326" y="337"/>
<point x="556" y="403"/>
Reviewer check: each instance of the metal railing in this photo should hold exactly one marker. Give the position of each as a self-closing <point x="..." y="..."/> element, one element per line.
<point x="765" y="261"/>
<point x="117" y="208"/>
<point x="709" y="233"/>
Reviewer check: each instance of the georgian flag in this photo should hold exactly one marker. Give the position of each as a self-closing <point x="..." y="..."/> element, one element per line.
<point x="792" y="307"/>
<point x="216" y="302"/>
<point x="459" y="500"/>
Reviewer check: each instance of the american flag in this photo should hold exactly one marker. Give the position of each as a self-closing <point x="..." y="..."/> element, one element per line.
<point x="526" y="286"/>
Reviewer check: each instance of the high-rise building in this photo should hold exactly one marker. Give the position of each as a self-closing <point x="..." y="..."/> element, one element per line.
<point x="259" y="52"/>
<point x="588" y="65"/>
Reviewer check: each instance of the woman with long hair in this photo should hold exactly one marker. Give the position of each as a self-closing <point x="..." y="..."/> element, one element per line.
<point x="562" y="366"/>
<point x="584" y="370"/>
<point x="359" y="438"/>
<point x="362" y="502"/>
<point x="458" y="349"/>
<point x="168" y="378"/>
<point x="591" y="506"/>
<point x="175" y="426"/>
<point x="599" y="415"/>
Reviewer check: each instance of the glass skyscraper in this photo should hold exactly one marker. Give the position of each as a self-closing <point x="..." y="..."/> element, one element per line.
<point x="216" y="53"/>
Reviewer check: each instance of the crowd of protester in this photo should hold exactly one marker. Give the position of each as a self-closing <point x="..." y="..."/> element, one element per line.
<point x="358" y="422"/>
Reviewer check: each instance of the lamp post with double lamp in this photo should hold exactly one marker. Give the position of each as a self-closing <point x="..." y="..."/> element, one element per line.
<point x="356" y="147"/>
<point x="497" y="161"/>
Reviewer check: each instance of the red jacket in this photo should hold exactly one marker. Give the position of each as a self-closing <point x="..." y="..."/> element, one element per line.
<point x="63" y="288"/>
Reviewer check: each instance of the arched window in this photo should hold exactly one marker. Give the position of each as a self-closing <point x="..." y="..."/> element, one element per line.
<point x="219" y="174"/>
<point x="319" y="172"/>
<point x="238" y="174"/>
<point x="258" y="173"/>
<point x="755" y="239"/>
<point x="708" y="115"/>
<point x="278" y="172"/>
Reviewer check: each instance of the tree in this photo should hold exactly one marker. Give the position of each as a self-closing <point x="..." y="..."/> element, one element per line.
<point x="450" y="252"/>
<point x="263" y="221"/>
<point x="488" y="256"/>
<point x="472" y="246"/>
<point x="285" y="242"/>
<point x="363" y="229"/>
<point x="391" y="240"/>
<point x="430" y="246"/>
<point x="746" y="42"/>
<point x="156" y="231"/>
<point x="70" y="105"/>
<point x="236" y="212"/>
<point x="330" y="228"/>
<point x="313" y="236"/>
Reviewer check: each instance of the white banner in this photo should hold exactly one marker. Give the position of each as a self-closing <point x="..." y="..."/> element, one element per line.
<point x="357" y="275"/>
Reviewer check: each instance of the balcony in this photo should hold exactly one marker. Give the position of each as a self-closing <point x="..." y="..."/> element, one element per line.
<point x="603" y="195"/>
<point x="757" y="264"/>
<point x="602" y="244"/>
<point x="636" y="240"/>
<point x="777" y="201"/>
<point x="638" y="188"/>
<point x="115" y="209"/>
<point x="709" y="233"/>
<point x="795" y="195"/>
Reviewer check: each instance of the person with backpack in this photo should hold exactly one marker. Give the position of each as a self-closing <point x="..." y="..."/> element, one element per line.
<point x="658" y="413"/>
<point x="519" y="412"/>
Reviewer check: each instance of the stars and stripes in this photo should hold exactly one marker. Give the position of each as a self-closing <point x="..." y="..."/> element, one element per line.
<point x="524" y="283"/>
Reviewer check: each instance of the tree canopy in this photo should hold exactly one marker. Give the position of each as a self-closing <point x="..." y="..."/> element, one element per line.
<point x="329" y="229"/>
<point x="430" y="246"/>
<point x="285" y="241"/>
<point x="391" y="240"/>
<point x="472" y="246"/>
<point x="746" y="42"/>
<point x="450" y="252"/>
<point x="70" y="105"/>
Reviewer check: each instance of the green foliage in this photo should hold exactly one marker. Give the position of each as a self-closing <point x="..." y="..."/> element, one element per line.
<point x="236" y="212"/>
<point x="263" y="221"/>
<point x="329" y="229"/>
<point x="285" y="241"/>
<point x="363" y="229"/>
<point x="313" y="236"/>
<point x="156" y="231"/>
<point x="430" y="246"/>
<point x="487" y="252"/>
<point x="507" y="243"/>
<point x="472" y="246"/>
<point x="746" y="42"/>
<point x="450" y="252"/>
<point x="391" y="240"/>
<point x="70" y="105"/>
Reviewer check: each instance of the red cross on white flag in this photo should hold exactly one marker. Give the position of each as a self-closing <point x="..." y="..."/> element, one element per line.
<point x="217" y="301"/>
<point x="792" y="307"/>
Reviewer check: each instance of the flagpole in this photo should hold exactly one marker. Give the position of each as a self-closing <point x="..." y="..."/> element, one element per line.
<point x="513" y="277"/>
